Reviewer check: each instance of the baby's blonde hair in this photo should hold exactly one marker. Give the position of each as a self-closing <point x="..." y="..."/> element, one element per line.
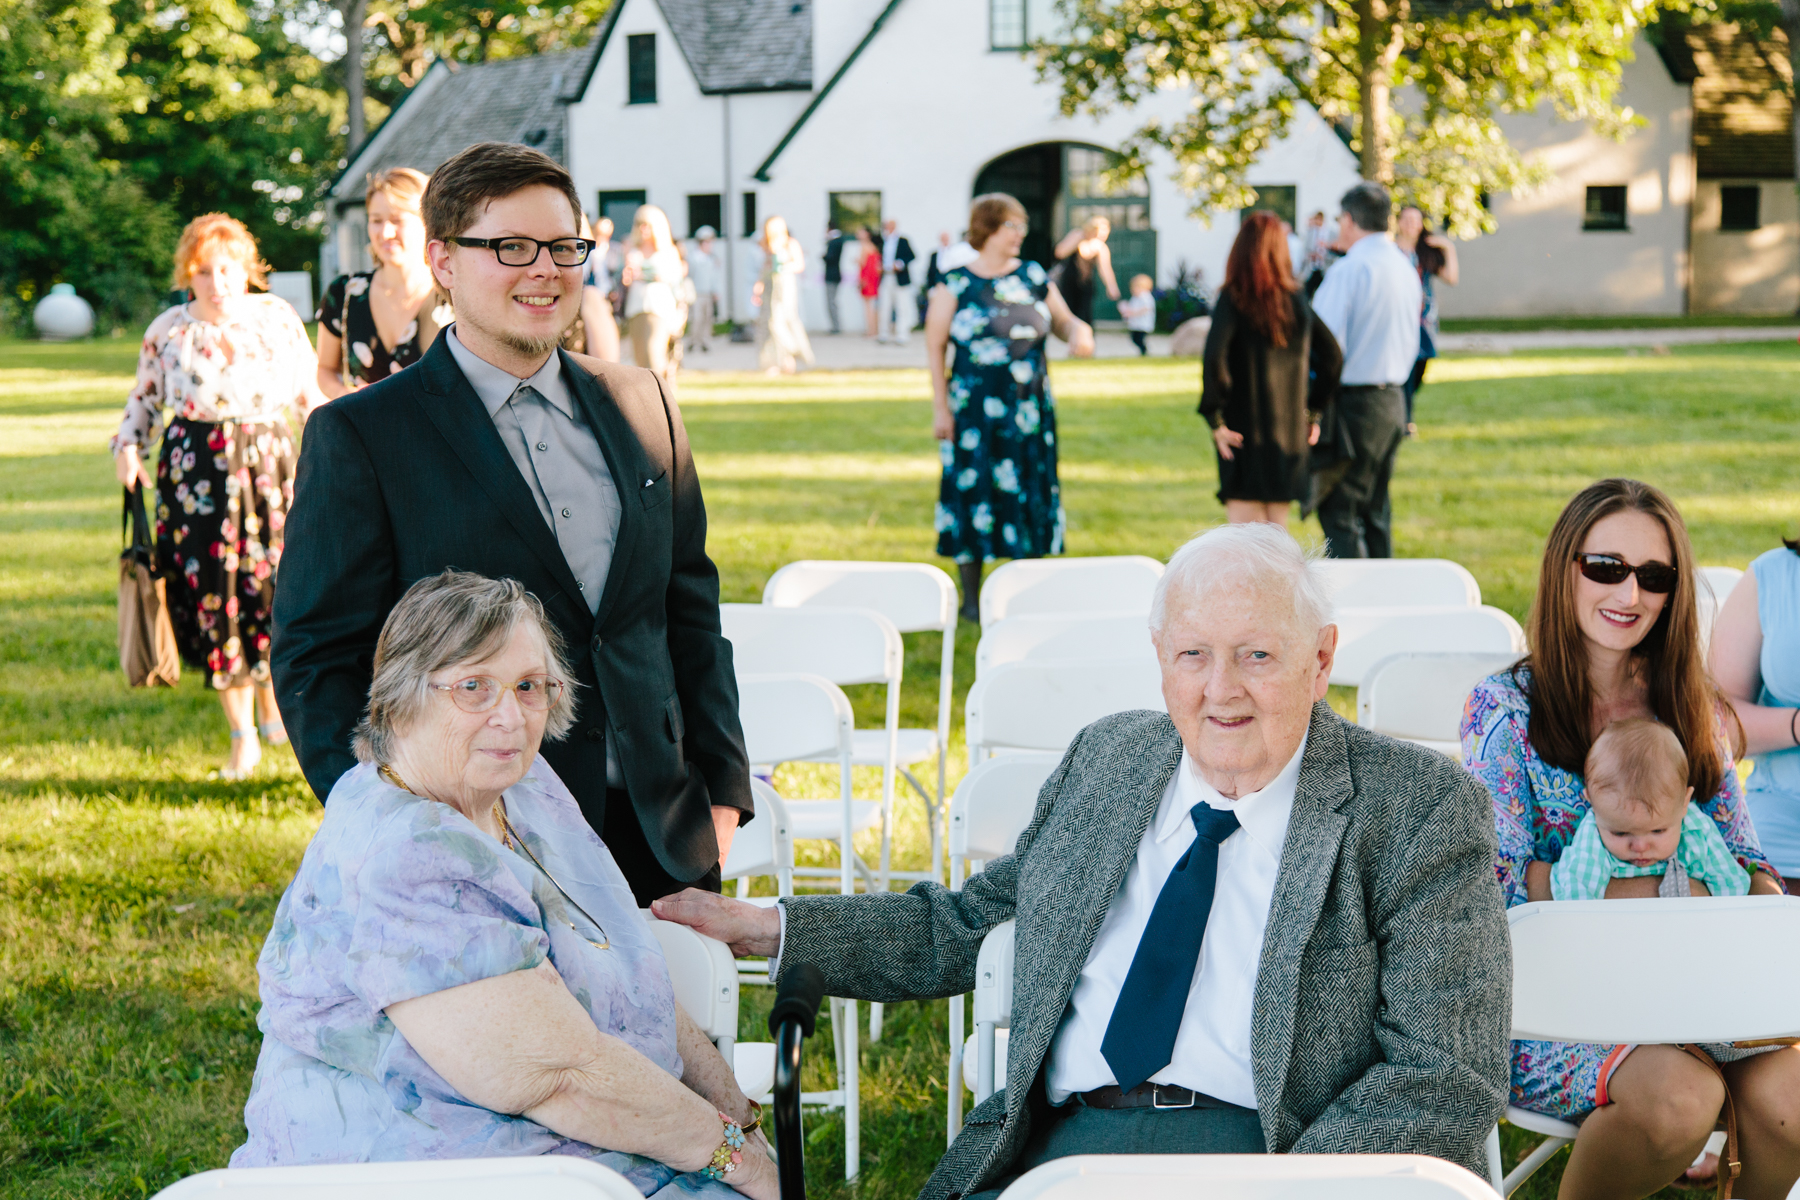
<point x="1144" y="279"/>
<point x="1637" y="760"/>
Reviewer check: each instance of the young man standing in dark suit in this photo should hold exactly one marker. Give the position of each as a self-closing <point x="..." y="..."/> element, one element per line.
<point x="834" y="273"/>
<point x="503" y="455"/>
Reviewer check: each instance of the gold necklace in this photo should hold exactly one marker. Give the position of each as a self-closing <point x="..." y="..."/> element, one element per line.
<point x="508" y="838"/>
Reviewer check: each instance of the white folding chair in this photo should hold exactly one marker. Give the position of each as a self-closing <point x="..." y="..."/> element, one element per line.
<point x="1368" y="635"/>
<point x="706" y="986"/>
<point x="1069" y="585"/>
<point x="1063" y="635"/>
<point x="1399" y="582"/>
<point x="1710" y="590"/>
<point x="1419" y="697"/>
<point x="763" y="847"/>
<point x="1043" y="704"/>
<point x="846" y="646"/>
<point x="992" y="1010"/>
<point x="992" y="806"/>
<point x="1620" y="971"/>
<point x="917" y="598"/>
<point x="803" y="718"/>
<point x="543" y="1177"/>
<point x="1248" y="1177"/>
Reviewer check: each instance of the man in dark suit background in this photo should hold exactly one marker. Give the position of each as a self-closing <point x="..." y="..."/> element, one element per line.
<point x="896" y="305"/>
<point x="501" y="454"/>
<point x="834" y="272"/>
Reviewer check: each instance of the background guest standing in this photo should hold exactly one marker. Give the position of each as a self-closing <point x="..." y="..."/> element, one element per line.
<point x="1270" y="368"/>
<point x="1433" y="256"/>
<point x="896" y="306"/>
<point x="868" y="278"/>
<point x="653" y="271"/>
<point x="991" y="411"/>
<point x="835" y="241"/>
<point x="780" y="335"/>
<point x="1370" y="301"/>
<point x="704" y="272"/>
<point x="598" y="328"/>
<point x="1081" y="255"/>
<point x="373" y="323"/>
<point x="229" y="366"/>
<point x="1139" y="311"/>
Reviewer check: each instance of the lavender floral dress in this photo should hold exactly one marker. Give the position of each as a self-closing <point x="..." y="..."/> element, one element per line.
<point x="1536" y="809"/>
<point x="399" y="897"/>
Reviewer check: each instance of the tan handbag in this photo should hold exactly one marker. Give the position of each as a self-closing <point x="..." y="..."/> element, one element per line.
<point x="147" y="652"/>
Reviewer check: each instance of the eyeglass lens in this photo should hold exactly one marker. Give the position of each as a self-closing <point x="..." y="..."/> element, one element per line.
<point x="480" y="693"/>
<point x="522" y="252"/>
<point x="1604" y="569"/>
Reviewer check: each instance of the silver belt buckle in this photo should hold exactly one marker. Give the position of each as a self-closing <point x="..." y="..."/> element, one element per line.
<point x="1156" y="1101"/>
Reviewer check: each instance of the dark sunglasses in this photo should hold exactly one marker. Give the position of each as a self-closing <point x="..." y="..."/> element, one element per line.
<point x="1606" y="569"/>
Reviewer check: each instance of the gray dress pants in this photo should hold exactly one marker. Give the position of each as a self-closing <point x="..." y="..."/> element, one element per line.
<point x="1357" y="515"/>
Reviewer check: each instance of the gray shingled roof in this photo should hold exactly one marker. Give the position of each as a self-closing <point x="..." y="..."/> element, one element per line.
<point x="744" y="45"/>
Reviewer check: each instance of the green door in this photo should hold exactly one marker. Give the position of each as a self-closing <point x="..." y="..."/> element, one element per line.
<point x="1126" y="205"/>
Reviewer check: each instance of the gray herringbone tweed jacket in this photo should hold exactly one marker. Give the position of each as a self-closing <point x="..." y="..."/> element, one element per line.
<point x="1384" y="991"/>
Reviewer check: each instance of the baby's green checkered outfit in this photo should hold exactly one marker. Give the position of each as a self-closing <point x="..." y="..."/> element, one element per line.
<point x="1586" y="867"/>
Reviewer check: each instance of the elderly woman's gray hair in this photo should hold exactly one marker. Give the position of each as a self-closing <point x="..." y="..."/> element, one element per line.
<point x="1254" y="551"/>
<point x="452" y="618"/>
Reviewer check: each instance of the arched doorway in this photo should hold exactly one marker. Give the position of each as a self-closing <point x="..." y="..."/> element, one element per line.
<point x="1061" y="186"/>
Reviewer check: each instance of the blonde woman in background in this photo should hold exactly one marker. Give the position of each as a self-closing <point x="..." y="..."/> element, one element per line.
<point x="594" y="332"/>
<point x="779" y="334"/>
<point x="652" y="277"/>
<point x="228" y="366"/>
<point x="373" y="323"/>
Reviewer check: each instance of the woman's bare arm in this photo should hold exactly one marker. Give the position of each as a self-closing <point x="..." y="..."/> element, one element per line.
<point x="1069" y="327"/>
<point x="1103" y="263"/>
<point x="331" y="361"/>
<point x="937" y="341"/>
<point x="519" y="1043"/>
<point x="1070" y="240"/>
<point x="1450" y="272"/>
<point x="1736" y="660"/>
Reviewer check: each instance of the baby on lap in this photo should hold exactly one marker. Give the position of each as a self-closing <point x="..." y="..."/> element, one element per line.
<point x="1640" y="822"/>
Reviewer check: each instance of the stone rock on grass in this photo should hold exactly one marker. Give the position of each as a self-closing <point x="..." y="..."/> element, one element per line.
<point x="1189" y="338"/>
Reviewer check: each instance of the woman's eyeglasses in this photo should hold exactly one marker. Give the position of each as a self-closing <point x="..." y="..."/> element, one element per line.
<point x="1021" y="226"/>
<point x="523" y="251"/>
<point x="1610" y="569"/>
<point x="479" y="693"/>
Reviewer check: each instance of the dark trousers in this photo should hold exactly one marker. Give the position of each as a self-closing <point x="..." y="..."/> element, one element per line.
<point x="624" y="837"/>
<point x="1139" y="339"/>
<point x="1357" y="515"/>
<point x="1077" y="1129"/>
<point x="1412" y="385"/>
<point x="831" y="309"/>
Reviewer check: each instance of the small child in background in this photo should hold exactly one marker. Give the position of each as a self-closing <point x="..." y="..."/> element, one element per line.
<point x="1139" y="311"/>
<point x="1640" y="821"/>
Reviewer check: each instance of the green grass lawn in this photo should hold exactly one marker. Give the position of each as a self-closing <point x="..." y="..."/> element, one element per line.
<point x="136" y="888"/>
<point x="1532" y="324"/>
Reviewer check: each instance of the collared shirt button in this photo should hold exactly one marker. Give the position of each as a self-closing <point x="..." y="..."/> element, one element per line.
<point x="565" y="512"/>
<point x="580" y="587"/>
<point x="543" y="445"/>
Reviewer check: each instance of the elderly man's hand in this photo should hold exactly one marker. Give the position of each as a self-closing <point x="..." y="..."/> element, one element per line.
<point x="750" y="931"/>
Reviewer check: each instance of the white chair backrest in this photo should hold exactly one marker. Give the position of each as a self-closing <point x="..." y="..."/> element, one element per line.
<point x="765" y="845"/>
<point x="1069" y="585"/>
<point x="1060" y="635"/>
<point x="1390" y="582"/>
<point x="1621" y="971"/>
<point x="994" y="976"/>
<point x="1718" y="582"/>
<point x="914" y="596"/>
<point x="704" y="974"/>
<point x="1368" y="635"/>
<point x="542" y="1177"/>
<point x="1043" y="704"/>
<point x="1249" y="1177"/>
<point x="1421" y="695"/>
<point x="994" y="803"/>
<point x="788" y="717"/>
<point x="844" y="645"/>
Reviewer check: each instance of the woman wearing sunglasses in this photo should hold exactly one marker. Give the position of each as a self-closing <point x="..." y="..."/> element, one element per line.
<point x="1615" y="634"/>
<point x="458" y="969"/>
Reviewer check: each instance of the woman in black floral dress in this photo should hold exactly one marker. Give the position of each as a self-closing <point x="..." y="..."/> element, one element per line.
<point x="991" y="409"/>
<point x="229" y="365"/>
<point x="373" y="323"/>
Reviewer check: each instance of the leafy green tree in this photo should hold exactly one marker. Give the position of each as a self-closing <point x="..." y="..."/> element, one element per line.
<point x="1417" y="85"/>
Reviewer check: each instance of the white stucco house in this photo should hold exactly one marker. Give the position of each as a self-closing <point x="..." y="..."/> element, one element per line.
<point x="723" y="112"/>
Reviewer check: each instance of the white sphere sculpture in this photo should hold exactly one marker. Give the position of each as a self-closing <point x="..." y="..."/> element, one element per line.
<point x="62" y="315"/>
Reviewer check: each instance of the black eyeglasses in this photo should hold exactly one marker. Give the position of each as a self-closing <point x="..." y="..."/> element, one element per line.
<point x="523" y="251"/>
<point x="1610" y="569"/>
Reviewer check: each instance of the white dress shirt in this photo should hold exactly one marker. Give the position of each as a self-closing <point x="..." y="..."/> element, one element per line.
<point x="890" y="246"/>
<point x="1371" y="300"/>
<point x="1212" y="1047"/>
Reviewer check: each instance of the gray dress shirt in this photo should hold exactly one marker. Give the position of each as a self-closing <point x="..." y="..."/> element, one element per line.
<point x="560" y="459"/>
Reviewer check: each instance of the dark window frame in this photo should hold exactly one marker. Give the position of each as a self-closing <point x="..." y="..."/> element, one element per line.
<point x="1016" y="14"/>
<point x="1732" y="216"/>
<point x="1605" y="217"/>
<point x="749" y="214"/>
<point x="710" y="210"/>
<point x="640" y="68"/>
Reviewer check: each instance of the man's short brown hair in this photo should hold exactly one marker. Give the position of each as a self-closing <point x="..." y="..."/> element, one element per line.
<point x="987" y="213"/>
<point x="463" y="187"/>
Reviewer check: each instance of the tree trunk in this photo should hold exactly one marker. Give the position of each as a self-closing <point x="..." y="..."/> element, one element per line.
<point x="1380" y="36"/>
<point x="355" y="13"/>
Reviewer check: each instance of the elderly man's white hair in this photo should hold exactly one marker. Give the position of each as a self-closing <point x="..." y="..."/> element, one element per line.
<point x="1254" y="552"/>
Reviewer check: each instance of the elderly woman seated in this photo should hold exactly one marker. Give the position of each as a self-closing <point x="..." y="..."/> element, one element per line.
<point x="458" y="969"/>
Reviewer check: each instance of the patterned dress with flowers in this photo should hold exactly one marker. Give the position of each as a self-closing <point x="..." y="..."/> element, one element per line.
<point x="344" y="311"/>
<point x="1537" y="808"/>
<point x="225" y="473"/>
<point x="1000" y="497"/>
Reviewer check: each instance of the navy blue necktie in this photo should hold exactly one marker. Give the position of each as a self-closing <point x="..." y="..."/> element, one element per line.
<point x="1140" y="1038"/>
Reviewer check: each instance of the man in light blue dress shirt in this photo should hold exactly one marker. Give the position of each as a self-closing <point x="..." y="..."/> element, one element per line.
<point x="1371" y="301"/>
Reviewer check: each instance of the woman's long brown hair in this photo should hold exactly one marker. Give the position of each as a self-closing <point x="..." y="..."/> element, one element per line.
<point x="1259" y="277"/>
<point x="1682" y="695"/>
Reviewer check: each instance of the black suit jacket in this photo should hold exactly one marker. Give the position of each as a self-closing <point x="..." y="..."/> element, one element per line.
<point x="834" y="258"/>
<point x="903" y="259"/>
<point x="405" y="478"/>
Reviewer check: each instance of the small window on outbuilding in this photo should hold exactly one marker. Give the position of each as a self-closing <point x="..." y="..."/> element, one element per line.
<point x="640" y="68"/>
<point x="705" y="210"/>
<point x="1740" y="207"/>
<point x="1006" y="24"/>
<point x="1605" y="208"/>
<point x="750" y="229"/>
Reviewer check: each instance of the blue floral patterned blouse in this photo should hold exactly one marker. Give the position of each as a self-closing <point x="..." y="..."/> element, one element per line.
<point x="399" y="897"/>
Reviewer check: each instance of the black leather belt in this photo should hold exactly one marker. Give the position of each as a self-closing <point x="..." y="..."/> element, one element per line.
<point x="1151" y="1095"/>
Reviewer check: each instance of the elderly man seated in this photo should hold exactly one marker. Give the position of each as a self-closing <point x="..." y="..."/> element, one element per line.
<point x="1243" y="926"/>
<point x="458" y="969"/>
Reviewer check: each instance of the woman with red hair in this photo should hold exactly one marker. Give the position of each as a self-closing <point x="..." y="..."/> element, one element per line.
<point x="1269" y="371"/>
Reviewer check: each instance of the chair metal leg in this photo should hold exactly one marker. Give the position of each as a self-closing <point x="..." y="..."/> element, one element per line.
<point x="954" y="1124"/>
<point x="875" y="1021"/>
<point x="1495" y="1179"/>
<point x="1525" y="1170"/>
<point x="852" y="1085"/>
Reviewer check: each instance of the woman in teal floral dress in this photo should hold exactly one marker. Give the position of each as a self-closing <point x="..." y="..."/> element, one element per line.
<point x="991" y="408"/>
